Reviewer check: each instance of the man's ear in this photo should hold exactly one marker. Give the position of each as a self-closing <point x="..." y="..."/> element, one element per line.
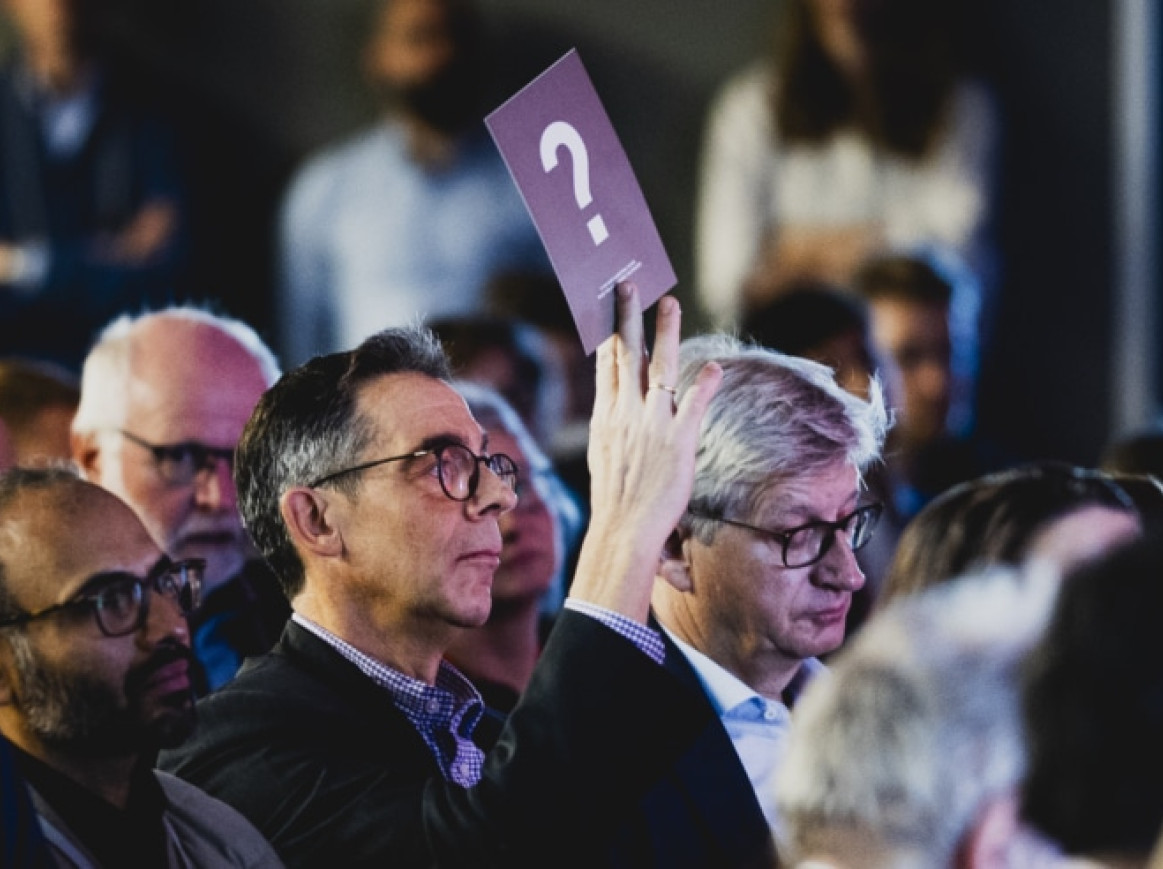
<point x="86" y="454"/>
<point x="309" y="521"/>
<point x="674" y="563"/>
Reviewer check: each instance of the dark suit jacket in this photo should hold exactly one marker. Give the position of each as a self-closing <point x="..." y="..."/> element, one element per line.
<point x="703" y="811"/>
<point x="321" y="761"/>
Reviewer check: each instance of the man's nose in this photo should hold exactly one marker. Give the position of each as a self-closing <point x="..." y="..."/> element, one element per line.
<point x="164" y="620"/>
<point x="838" y="569"/>
<point x="493" y="494"/>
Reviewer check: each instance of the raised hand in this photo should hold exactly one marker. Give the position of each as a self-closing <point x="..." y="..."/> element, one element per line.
<point x="641" y="457"/>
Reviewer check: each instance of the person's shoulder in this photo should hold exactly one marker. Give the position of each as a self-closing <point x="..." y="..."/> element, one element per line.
<point x="332" y="166"/>
<point x="211" y="831"/>
<point x="748" y="88"/>
<point x="350" y="152"/>
<point x="261" y="675"/>
<point x="741" y="109"/>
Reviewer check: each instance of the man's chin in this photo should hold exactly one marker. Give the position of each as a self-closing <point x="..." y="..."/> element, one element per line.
<point x="171" y="720"/>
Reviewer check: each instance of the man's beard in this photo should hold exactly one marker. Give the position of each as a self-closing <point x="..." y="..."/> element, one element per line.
<point x="81" y="714"/>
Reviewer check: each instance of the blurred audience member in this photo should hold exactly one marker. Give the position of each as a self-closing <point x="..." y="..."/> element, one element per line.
<point x="95" y="678"/>
<point x="821" y="322"/>
<point x="860" y="133"/>
<point x="911" y="754"/>
<point x="37" y="403"/>
<point x="412" y="217"/>
<point x="1136" y="460"/>
<point x="1094" y="712"/>
<point x="1138" y="453"/>
<point x="756" y="581"/>
<point x="1146" y="492"/>
<point x="911" y="301"/>
<point x="91" y="215"/>
<point x="164" y="398"/>
<point x="512" y="357"/>
<point x="825" y="324"/>
<point x="1051" y="511"/>
<point x="528" y="587"/>
<point x="538" y="300"/>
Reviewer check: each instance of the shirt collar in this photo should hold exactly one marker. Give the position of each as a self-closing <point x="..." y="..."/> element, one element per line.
<point x="726" y="690"/>
<point x="411" y="695"/>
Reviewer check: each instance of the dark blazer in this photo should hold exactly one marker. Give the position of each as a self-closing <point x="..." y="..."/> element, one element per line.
<point x="322" y="762"/>
<point x="703" y="811"/>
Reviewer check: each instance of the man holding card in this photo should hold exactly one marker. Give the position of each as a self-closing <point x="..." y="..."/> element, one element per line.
<point x="370" y="489"/>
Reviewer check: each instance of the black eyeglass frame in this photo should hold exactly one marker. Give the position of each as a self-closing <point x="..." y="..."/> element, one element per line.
<point x="507" y="472"/>
<point x="872" y="510"/>
<point x="192" y="569"/>
<point x="204" y="457"/>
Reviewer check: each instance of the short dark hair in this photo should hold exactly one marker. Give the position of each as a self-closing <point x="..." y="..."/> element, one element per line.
<point x="911" y="278"/>
<point x="992" y="520"/>
<point x="27" y="387"/>
<point x="467" y="339"/>
<point x="1094" y="708"/>
<point x="13" y="484"/>
<point x="804" y="317"/>
<point x="307" y="425"/>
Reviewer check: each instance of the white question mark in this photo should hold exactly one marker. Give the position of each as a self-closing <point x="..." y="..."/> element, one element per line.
<point x="560" y="134"/>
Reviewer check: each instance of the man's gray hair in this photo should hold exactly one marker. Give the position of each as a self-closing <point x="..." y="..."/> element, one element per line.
<point x="919" y="723"/>
<point x="108" y="366"/>
<point x="775" y="418"/>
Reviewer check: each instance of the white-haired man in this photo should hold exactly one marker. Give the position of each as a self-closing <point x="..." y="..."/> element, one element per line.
<point x="164" y="398"/>
<point x="910" y="754"/>
<point x="756" y="580"/>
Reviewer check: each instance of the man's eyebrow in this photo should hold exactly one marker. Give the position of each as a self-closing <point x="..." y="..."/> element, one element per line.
<point x="100" y="580"/>
<point x="803" y="514"/>
<point x="444" y="439"/>
<point x="194" y="446"/>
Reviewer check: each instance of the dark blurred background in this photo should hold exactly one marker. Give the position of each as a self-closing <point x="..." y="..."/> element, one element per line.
<point x="256" y="85"/>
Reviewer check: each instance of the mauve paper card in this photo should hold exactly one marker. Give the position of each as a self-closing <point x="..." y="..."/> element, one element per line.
<point x="565" y="157"/>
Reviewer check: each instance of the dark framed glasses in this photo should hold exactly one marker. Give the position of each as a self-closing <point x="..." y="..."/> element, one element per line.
<point x="808" y="543"/>
<point x="457" y="467"/>
<point x="180" y="464"/>
<point x="120" y="601"/>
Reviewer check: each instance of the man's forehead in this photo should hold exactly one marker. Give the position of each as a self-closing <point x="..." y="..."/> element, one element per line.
<point x="191" y="381"/>
<point x="407" y="408"/>
<point x="814" y="494"/>
<point x="63" y="536"/>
